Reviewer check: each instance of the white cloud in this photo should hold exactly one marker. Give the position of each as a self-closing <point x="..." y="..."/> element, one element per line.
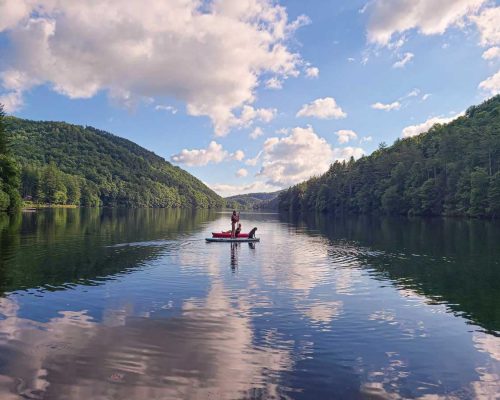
<point x="492" y="53"/>
<point x="242" y="172"/>
<point x="312" y="72"/>
<point x="396" y="105"/>
<point x="414" y="130"/>
<point x="294" y="158"/>
<point x="407" y="57"/>
<point x="345" y="135"/>
<point x="298" y="156"/>
<point x="250" y="114"/>
<point x="253" y="161"/>
<point x="426" y="96"/>
<point x="415" y="92"/>
<point x="238" y="155"/>
<point x="365" y="139"/>
<point x="274" y="83"/>
<point x="282" y="131"/>
<point x="226" y="190"/>
<point x="491" y="85"/>
<point x="345" y="153"/>
<point x="208" y="54"/>
<point x="325" y="108"/>
<point x="488" y="24"/>
<point x="350" y="59"/>
<point x="214" y="154"/>
<point x="12" y="101"/>
<point x="256" y="133"/>
<point x="429" y="17"/>
<point x="170" y="109"/>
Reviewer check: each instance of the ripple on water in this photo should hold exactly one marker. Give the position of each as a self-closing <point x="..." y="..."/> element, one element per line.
<point x="152" y="311"/>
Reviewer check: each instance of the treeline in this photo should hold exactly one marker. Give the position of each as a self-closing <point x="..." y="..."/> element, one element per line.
<point x="253" y="201"/>
<point x="49" y="185"/>
<point x="451" y="170"/>
<point x="69" y="164"/>
<point x="9" y="171"/>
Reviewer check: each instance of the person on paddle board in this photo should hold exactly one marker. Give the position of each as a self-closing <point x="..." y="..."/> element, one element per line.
<point x="235" y="218"/>
<point x="238" y="230"/>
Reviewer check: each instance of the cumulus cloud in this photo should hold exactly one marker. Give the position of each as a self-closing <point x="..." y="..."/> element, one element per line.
<point x="170" y="109"/>
<point x="282" y="131"/>
<point x="426" y="96"/>
<point x="208" y="54"/>
<point x="294" y="158"/>
<point x="242" y="172"/>
<point x="12" y="101"/>
<point x="274" y="83"/>
<point x="312" y="72"/>
<point x="391" y="17"/>
<point x="405" y="59"/>
<point x="225" y="190"/>
<point x="345" y="135"/>
<point x="491" y="85"/>
<point x="345" y="153"/>
<point x="492" y="53"/>
<point x="325" y="108"/>
<point x="250" y="114"/>
<point x="415" y="92"/>
<point x="414" y="130"/>
<point x="396" y="105"/>
<point x="489" y="26"/>
<point x="214" y="154"/>
<point x="256" y="133"/>
<point x="253" y="161"/>
<point x="298" y="156"/>
<point x="365" y="139"/>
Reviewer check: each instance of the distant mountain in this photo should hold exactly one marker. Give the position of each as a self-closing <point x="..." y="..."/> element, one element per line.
<point x="452" y="169"/>
<point x="69" y="164"/>
<point x="253" y="201"/>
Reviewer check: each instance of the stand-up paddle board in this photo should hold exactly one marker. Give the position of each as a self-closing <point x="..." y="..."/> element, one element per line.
<point x="233" y="240"/>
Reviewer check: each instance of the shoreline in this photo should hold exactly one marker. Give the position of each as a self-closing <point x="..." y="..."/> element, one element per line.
<point x="32" y="207"/>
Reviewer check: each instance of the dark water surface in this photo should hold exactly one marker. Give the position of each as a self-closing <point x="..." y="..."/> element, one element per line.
<point x="133" y="304"/>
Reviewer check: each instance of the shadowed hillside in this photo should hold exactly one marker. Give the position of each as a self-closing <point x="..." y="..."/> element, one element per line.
<point x="452" y="169"/>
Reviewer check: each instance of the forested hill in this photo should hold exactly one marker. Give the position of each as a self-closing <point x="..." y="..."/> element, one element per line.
<point x="69" y="164"/>
<point x="452" y="169"/>
<point x="253" y="201"/>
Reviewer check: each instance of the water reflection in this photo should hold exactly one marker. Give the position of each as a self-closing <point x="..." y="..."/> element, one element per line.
<point x="452" y="261"/>
<point x="205" y="352"/>
<point x="235" y="247"/>
<point x="145" y="308"/>
<point x="52" y="248"/>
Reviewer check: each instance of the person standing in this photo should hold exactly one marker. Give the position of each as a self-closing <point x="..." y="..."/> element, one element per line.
<point x="235" y="218"/>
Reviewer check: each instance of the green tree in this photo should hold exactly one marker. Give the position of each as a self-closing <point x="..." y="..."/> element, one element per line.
<point x="392" y="201"/>
<point x="60" y="197"/>
<point x="9" y="171"/>
<point x="479" y="184"/>
<point x="494" y="196"/>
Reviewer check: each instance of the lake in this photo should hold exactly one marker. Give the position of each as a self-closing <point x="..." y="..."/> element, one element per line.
<point x="134" y="304"/>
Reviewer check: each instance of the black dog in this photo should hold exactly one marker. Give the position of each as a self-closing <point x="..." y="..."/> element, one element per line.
<point x="251" y="234"/>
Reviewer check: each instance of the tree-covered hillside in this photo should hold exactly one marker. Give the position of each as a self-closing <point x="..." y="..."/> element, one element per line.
<point x="69" y="164"/>
<point x="253" y="201"/>
<point x="9" y="171"/>
<point x="452" y="169"/>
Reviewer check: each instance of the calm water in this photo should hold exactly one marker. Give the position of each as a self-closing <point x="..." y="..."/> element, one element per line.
<point x="133" y="304"/>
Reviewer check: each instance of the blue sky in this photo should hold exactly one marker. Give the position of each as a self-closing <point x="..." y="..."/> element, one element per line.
<point x="192" y="80"/>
